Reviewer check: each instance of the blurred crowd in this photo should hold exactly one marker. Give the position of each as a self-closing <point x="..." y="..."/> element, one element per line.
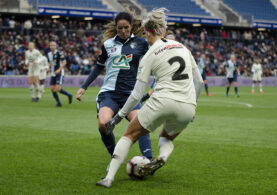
<point x="81" y="42"/>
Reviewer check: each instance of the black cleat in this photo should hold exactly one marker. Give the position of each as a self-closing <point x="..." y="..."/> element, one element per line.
<point x="33" y="99"/>
<point x="58" y="105"/>
<point x="37" y="99"/>
<point x="152" y="167"/>
<point x="70" y="99"/>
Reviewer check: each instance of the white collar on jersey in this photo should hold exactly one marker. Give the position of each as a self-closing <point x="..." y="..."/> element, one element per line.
<point x="131" y="36"/>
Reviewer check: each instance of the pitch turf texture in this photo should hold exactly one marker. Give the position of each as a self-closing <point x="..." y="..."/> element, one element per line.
<point x="231" y="148"/>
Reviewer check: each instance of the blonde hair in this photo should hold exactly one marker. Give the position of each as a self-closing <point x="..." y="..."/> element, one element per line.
<point x="155" y="22"/>
<point x="110" y="28"/>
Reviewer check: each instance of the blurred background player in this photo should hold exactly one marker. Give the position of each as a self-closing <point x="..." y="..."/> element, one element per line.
<point x="121" y="53"/>
<point x="43" y="66"/>
<point x="57" y="63"/>
<point x="257" y="75"/>
<point x="32" y="56"/>
<point x="172" y="104"/>
<point x="232" y="73"/>
<point x="202" y="66"/>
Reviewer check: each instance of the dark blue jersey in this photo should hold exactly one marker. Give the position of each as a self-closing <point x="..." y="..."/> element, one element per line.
<point x="55" y="60"/>
<point x="121" y="59"/>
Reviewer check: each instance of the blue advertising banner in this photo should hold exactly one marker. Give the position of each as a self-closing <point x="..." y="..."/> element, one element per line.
<point x="267" y="25"/>
<point x="111" y="14"/>
<point x="76" y="12"/>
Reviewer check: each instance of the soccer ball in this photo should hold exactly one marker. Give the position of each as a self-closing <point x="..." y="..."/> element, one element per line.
<point x="134" y="164"/>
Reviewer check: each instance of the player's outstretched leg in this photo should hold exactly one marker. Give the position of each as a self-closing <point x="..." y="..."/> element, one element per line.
<point x="165" y="149"/>
<point x="64" y="92"/>
<point x="120" y="153"/>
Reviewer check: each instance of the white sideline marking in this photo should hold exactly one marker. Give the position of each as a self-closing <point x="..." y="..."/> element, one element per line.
<point x="222" y="101"/>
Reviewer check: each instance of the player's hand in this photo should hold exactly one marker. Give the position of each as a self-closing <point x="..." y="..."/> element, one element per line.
<point x="57" y="71"/>
<point x="79" y="94"/>
<point x="111" y="124"/>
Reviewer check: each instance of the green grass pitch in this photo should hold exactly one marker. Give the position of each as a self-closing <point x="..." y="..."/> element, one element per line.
<point x="231" y="148"/>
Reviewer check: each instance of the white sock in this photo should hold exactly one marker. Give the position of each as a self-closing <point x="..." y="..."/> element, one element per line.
<point x="36" y="89"/>
<point x="31" y="87"/>
<point x="42" y="88"/>
<point x="253" y="86"/>
<point x="120" y="153"/>
<point x="261" y="87"/>
<point x="39" y="91"/>
<point x="165" y="148"/>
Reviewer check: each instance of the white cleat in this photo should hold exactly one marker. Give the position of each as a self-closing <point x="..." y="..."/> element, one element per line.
<point x="152" y="167"/>
<point x="107" y="183"/>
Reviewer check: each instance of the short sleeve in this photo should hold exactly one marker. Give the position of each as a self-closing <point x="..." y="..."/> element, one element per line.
<point x="102" y="58"/>
<point x="144" y="70"/>
<point x="62" y="56"/>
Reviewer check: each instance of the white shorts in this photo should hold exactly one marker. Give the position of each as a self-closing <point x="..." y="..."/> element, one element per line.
<point x="257" y="77"/>
<point x="42" y="74"/>
<point x="33" y="71"/>
<point x="174" y="115"/>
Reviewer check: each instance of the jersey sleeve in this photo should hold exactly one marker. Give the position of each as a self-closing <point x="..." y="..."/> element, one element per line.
<point x="144" y="71"/>
<point x="102" y="58"/>
<point x="62" y="57"/>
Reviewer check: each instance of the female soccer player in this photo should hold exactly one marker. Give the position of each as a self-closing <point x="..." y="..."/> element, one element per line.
<point x="121" y="53"/>
<point x="172" y="103"/>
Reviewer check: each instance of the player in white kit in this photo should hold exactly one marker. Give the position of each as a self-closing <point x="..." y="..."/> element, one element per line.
<point x="43" y="67"/>
<point x="31" y="60"/>
<point x="172" y="103"/>
<point x="257" y="75"/>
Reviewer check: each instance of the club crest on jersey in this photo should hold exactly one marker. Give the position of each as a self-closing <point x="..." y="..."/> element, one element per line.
<point x="122" y="61"/>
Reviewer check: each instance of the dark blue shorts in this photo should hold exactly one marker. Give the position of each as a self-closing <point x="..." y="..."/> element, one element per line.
<point x="113" y="100"/>
<point x="204" y="76"/>
<point x="57" y="80"/>
<point x="234" y="79"/>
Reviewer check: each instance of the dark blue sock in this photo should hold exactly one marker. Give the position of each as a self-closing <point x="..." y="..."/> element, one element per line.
<point x="227" y="90"/>
<point x="55" y="95"/>
<point x="145" y="146"/>
<point x="145" y="97"/>
<point x="236" y="90"/>
<point x="109" y="141"/>
<point x="206" y="88"/>
<point x="65" y="92"/>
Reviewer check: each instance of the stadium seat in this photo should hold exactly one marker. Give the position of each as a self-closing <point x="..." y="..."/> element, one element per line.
<point x="259" y="9"/>
<point x="188" y="7"/>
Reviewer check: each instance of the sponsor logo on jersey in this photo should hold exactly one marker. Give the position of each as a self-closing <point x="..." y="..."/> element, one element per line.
<point x="172" y="46"/>
<point x="122" y="61"/>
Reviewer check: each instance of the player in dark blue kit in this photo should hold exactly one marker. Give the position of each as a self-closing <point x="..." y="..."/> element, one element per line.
<point x="232" y="73"/>
<point x="57" y="62"/>
<point x="121" y="53"/>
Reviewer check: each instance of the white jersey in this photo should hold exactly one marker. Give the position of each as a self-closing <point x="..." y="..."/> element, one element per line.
<point x="171" y="63"/>
<point x="257" y="69"/>
<point x="43" y="63"/>
<point x="32" y="56"/>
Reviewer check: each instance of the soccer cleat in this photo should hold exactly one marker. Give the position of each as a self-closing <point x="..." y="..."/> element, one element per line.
<point x="34" y="100"/>
<point x="208" y="94"/>
<point x="70" y="99"/>
<point x="253" y="91"/>
<point x="237" y="95"/>
<point x="58" y="105"/>
<point x="227" y="95"/>
<point x="152" y="167"/>
<point x="37" y="99"/>
<point x="107" y="183"/>
<point x="261" y="92"/>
